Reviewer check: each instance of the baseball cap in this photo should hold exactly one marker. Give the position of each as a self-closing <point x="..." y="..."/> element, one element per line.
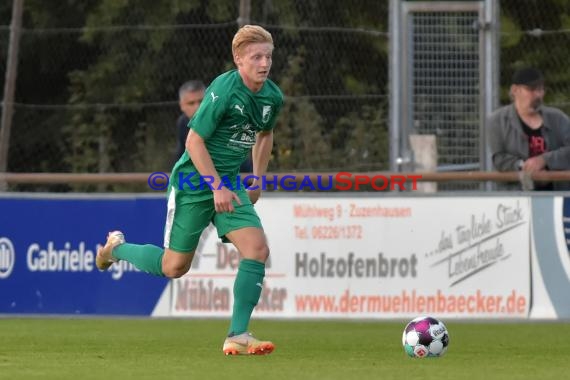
<point x="528" y="76"/>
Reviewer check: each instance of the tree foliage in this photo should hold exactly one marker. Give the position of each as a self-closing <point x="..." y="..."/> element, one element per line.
<point x="111" y="70"/>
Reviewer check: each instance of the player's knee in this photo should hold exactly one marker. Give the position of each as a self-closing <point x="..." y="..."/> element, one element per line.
<point x="175" y="264"/>
<point x="260" y="253"/>
<point x="174" y="271"/>
<point x="265" y="252"/>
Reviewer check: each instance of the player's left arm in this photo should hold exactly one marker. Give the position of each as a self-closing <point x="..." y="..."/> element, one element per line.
<point x="261" y="154"/>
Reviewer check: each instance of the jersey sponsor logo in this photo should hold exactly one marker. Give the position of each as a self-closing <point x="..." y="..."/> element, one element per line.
<point x="214" y="97"/>
<point x="243" y="136"/>
<point x="265" y="113"/>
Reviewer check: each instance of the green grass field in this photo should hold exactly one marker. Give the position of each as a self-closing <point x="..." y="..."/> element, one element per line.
<point x="191" y="349"/>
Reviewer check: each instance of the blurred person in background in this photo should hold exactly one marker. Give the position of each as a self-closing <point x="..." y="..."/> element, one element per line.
<point x="190" y="96"/>
<point x="528" y="136"/>
<point x="237" y="115"/>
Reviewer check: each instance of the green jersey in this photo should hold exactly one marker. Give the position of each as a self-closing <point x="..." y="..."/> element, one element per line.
<point x="228" y="120"/>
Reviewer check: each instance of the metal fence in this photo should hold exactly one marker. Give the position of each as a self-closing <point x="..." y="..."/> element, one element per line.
<point x="441" y="70"/>
<point x="102" y="96"/>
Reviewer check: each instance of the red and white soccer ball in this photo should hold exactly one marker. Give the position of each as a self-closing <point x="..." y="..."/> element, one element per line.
<point x="425" y="337"/>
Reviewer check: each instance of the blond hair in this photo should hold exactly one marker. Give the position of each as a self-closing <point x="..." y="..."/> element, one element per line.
<point x="249" y="34"/>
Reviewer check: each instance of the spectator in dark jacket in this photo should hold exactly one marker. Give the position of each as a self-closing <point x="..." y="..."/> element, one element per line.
<point x="190" y="96"/>
<point x="528" y="136"/>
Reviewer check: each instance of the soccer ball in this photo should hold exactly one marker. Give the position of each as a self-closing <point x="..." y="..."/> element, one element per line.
<point x="425" y="337"/>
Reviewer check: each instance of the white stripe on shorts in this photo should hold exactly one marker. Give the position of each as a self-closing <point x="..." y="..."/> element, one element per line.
<point x="171" y="208"/>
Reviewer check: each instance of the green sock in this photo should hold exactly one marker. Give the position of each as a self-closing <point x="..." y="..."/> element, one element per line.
<point x="247" y="289"/>
<point x="147" y="258"/>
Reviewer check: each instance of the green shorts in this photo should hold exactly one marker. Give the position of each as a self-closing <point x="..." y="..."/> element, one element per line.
<point x="186" y="220"/>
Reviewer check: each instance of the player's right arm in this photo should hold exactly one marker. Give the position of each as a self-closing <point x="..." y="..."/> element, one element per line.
<point x="202" y="127"/>
<point x="203" y="162"/>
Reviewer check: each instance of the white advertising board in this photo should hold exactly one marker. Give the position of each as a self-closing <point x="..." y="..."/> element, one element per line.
<point x="375" y="258"/>
<point x="550" y="250"/>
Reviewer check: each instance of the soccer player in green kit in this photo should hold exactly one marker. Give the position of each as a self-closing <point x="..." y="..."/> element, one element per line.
<point x="238" y="114"/>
